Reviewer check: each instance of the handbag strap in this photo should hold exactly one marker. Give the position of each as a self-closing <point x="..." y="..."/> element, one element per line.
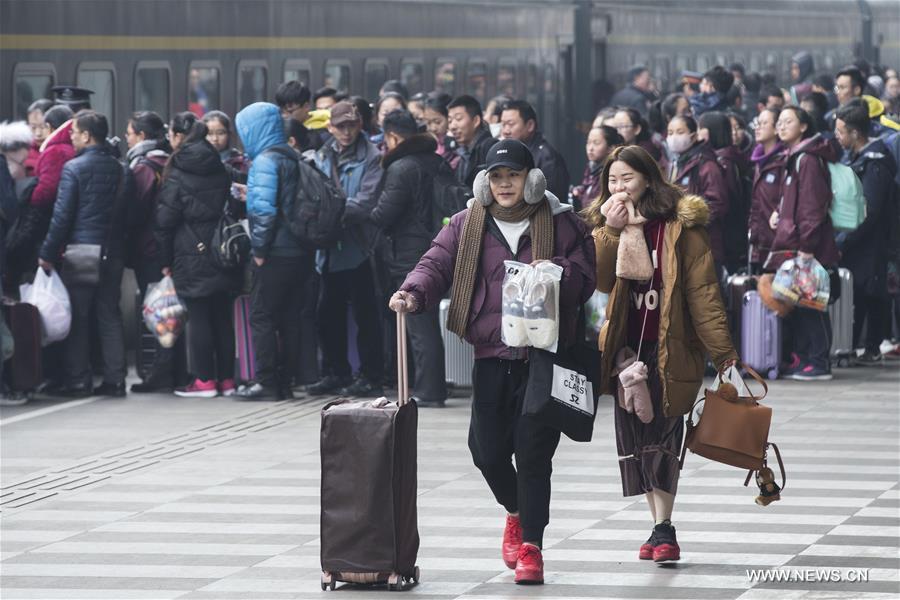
<point x="780" y="467"/>
<point x="402" y="374"/>
<point x="752" y="374"/>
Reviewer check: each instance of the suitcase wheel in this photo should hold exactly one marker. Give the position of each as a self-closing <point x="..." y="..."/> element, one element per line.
<point x="772" y="374"/>
<point x="395" y="582"/>
<point x="415" y="577"/>
<point x="328" y="581"/>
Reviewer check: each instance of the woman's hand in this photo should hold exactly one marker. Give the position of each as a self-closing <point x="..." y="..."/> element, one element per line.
<point x="807" y="256"/>
<point x="617" y="216"/>
<point x="773" y="220"/>
<point x="402" y="302"/>
<point x="167" y="272"/>
<point x="241" y="190"/>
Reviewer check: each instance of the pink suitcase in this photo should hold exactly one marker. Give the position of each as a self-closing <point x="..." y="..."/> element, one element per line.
<point x="245" y="358"/>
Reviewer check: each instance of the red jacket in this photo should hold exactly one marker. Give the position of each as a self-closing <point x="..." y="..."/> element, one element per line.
<point x="803" y="221"/>
<point x="56" y="151"/>
<point x="34" y="153"/>
<point x="147" y="169"/>
<point x="766" y="195"/>
<point x="699" y="173"/>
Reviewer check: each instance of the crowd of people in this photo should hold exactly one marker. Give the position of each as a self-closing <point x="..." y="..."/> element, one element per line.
<point x="729" y="174"/>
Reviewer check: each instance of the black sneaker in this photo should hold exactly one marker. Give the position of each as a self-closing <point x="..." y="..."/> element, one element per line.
<point x="76" y="391"/>
<point x="113" y="390"/>
<point x="869" y="358"/>
<point x="257" y="391"/>
<point x="330" y="384"/>
<point x="362" y="388"/>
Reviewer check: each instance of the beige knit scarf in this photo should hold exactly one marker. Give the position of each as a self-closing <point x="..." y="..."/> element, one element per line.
<point x="469" y="254"/>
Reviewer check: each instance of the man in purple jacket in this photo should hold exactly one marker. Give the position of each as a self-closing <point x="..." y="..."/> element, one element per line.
<point x="510" y="218"/>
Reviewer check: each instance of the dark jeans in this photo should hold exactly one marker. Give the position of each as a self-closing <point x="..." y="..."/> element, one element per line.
<point x="427" y="349"/>
<point x="498" y="430"/>
<point x="810" y="331"/>
<point x="356" y="288"/>
<point x="103" y="299"/>
<point x="869" y="310"/>
<point x="210" y="336"/>
<point x="276" y="297"/>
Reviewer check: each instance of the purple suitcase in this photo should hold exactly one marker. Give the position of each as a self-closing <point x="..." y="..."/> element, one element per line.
<point x="245" y="359"/>
<point x="760" y="336"/>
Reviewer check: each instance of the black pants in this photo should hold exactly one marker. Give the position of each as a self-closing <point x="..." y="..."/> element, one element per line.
<point x="103" y="299"/>
<point x="427" y="349"/>
<point x="498" y="430"/>
<point x="308" y="367"/>
<point x="869" y="310"/>
<point x="810" y="331"/>
<point x="210" y="336"/>
<point x="276" y="297"/>
<point x="355" y="287"/>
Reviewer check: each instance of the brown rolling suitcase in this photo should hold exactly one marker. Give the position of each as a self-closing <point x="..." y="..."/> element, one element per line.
<point x="369" y="531"/>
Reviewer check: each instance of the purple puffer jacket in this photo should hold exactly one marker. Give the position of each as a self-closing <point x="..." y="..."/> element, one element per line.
<point x="573" y="251"/>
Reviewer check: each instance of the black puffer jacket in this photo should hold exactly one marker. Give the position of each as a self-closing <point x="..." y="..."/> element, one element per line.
<point x="467" y="169"/>
<point x="86" y="209"/>
<point x="404" y="195"/>
<point x="551" y="162"/>
<point x="188" y="209"/>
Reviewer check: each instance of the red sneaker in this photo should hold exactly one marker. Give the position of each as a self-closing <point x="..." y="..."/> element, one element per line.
<point x="199" y="389"/>
<point x="512" y="541"/>
<point x="646" y="551"/>
<point x="530" y="566"/>
<point x="666" y="548"/>
<point x="227" y="387"/>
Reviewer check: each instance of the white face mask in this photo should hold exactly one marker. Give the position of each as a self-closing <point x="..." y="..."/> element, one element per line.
<point x="495" y="129"/>
<point x="679" y="143"/>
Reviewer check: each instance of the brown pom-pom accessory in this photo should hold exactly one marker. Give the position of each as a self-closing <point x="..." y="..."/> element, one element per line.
<point x="728" y="392"/>
<point x="764" y="287"/>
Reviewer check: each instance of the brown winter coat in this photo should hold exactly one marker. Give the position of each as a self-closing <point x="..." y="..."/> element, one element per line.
<point x="692" y="314"/>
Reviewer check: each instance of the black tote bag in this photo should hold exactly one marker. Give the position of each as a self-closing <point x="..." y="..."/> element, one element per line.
<point x="563" y="388"/>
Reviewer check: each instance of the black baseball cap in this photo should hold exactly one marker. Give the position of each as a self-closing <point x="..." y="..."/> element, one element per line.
<point x="509" y="153"/>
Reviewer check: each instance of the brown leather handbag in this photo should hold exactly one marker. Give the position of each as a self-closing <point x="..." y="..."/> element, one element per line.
<point x="734" y="430"/>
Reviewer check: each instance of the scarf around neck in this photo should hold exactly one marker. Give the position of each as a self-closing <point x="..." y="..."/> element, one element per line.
<point x="469" y="254"/>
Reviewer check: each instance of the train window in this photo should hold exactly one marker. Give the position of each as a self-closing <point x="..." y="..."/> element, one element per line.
<point x="773" y="63"/>
<point x="756" y="62"/>
<point x="661" y="72"/>
<point x="298" y="70"/>
<point x="532" y="86"/>
<point x="151" y="88"/>
<point x="549" y="125"/>
<point x="828" y="61"/>
<point x="203" y="89"/>
<point x="377" y="72"/>
<point x="506" y="77"/>
<point x="476" y="79"/>
<point x="722" y="59"/>
<point x="32" y="82"/>
<point x="100" y="78"/>
<point x="251" y="82"/>
<point x="682" y="63"/>
<point x="445" y="76"/>
<point x="412" y="75"/>
<point x="703" y="63"/>
<point x="739" y="59"/>
<point x="337" y="75"/>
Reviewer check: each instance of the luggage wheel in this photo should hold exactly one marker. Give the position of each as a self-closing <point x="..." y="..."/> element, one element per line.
<point x="328" y="581"/>
<point x="415" y="577"/>
<point x="394" y="582"/>
<point x="772" y="374"/>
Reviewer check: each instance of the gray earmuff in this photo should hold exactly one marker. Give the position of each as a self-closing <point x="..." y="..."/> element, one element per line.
<point x="535" y="186"/>
<point x="482" y="188"/>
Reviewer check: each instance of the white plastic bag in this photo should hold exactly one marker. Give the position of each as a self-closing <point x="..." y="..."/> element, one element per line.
<point x="164" y="313"/>
<point x="48" y="293"/>
<point x="542" y="306"/>
<point x="515" y="285"/>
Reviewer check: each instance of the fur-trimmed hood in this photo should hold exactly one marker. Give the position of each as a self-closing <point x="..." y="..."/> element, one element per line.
<point x="692" y="211"/>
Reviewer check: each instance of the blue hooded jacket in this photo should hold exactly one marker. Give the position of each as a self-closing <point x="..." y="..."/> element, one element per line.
<point x="271" y="182"/>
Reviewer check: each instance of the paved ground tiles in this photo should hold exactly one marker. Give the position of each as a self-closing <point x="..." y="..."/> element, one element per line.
<point x="237" y="515"/>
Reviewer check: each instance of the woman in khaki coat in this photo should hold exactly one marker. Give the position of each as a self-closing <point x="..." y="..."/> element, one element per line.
<point x="671" y="319"/>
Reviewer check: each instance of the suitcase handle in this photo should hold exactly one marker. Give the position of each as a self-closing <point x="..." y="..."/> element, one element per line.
<point x="402" y="369"/>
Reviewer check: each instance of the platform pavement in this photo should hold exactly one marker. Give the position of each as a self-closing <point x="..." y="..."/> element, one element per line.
<point x="164" y="498"/>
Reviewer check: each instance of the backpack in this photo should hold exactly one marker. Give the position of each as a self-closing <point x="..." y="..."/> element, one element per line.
<point x="448" y="197"/>
<point x="316" y="213"/>
<point x="848" y="204"/>
<point x="230" y="242"/>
